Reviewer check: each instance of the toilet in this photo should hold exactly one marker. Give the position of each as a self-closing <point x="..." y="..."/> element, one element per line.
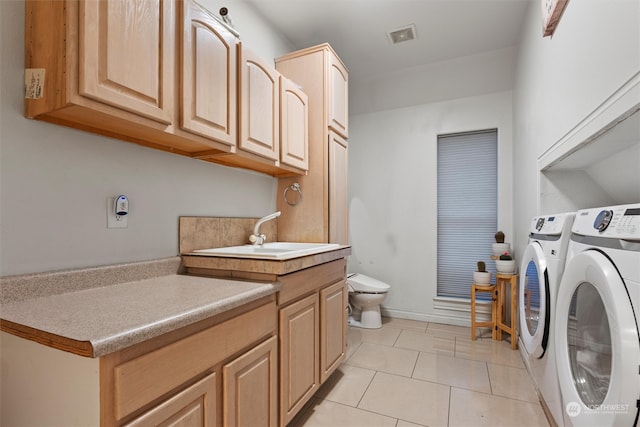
<point x="365" y="296"/>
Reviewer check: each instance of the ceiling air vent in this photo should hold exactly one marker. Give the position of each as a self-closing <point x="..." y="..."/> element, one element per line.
<point x="403" y="34"/>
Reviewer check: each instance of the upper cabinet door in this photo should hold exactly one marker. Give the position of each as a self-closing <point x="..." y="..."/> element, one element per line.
<point x="338" y="96"/>
<point x="208" y="76"/>
<point x="294" y="128"/>
<point x="338" y="189"/>
<point x="259" y="105"/>
<point x="126" y="56"/>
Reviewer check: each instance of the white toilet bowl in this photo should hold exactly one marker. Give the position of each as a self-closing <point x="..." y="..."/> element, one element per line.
<point x="365" y="295"/>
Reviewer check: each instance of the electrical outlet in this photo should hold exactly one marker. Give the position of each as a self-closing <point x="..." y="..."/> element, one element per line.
<point x="113" y="220"/>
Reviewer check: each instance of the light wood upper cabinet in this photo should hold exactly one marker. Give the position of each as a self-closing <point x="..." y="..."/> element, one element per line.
<point x="110" y="67"/>
<point x="119" y="66"/>
<point x="273" y="115"/>
<point x="338" y="82"/>
<point x="338" y="189"/>
<point x="159" y="73"/>
<point x="208" y="94"/>
<point x="104" y="66"/>
<point x="322" y="214"/>
<point x="294" y="128"/>
<point x="259" y="106"/>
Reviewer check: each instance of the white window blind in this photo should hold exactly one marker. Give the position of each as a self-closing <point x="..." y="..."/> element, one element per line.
<point x="467" y="208"/>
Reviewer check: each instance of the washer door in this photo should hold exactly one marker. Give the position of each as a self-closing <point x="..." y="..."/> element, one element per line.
<point x="597" y="344"/>
<point x="534" y="301"/>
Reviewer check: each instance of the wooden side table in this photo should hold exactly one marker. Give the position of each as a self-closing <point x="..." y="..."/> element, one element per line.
<point x="502" y="280"/>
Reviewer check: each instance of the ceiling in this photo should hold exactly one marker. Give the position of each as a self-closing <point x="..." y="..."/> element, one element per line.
<point x="358" y="29"/>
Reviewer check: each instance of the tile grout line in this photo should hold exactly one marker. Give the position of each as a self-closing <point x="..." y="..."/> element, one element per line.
<point x="456" y="354"/>
<point x="449" y="411"/>
<point x="351" y="407"/>
<point x="486" y="367"/>
<point x="415" y="363"/>
<point x="397" y="338"/>
<point x="365" y="390"/>
<point x="362" y="397"/>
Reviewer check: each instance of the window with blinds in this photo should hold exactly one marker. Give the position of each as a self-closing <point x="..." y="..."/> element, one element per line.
<point x="467" y="208"/>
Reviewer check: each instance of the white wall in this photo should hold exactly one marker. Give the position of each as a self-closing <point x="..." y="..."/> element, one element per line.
<point x="394" y="123"/>
<point x="557" y="82"/>
<point x="463" y="77"/>
<point x="393" y="190"/>
<point x="560" y="80"/>
<point x="54" y="181"/>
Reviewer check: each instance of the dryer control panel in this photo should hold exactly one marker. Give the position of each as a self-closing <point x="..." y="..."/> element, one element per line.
<point x="551" y="224"/>
<point x="619" y="222"/>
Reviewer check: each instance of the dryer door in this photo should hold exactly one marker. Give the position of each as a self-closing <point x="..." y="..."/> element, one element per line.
<point x="533" y="299"/>
<point x="597" y="344"/>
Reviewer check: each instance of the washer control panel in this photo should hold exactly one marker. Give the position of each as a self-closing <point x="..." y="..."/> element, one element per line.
<point x="629" y="222"/>
<point x="603" y="220"/>
<point x="620" y="222"/>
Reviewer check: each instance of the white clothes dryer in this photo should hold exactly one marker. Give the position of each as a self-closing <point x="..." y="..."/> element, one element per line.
<point x="597" y="340"/>
<point x="541" y="269"/>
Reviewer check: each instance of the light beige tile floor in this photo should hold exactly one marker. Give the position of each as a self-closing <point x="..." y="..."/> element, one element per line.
<point x="411" y="373"/>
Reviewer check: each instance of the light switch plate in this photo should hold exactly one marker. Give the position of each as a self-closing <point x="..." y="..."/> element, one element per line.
<point x="113" y="220"/>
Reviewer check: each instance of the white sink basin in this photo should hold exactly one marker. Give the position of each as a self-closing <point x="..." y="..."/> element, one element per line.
<point x="270" y="250"/>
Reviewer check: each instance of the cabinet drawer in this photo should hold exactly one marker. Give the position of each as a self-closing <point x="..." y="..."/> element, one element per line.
<point x="312" y="279"/>
<point x="196" y="405"/>
<point x="139" y="381"/>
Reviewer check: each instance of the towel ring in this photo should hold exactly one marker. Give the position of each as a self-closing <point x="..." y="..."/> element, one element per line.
<point x="294" y="187"/>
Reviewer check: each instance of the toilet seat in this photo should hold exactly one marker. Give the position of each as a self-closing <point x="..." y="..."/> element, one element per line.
<point x="359" y="283"/>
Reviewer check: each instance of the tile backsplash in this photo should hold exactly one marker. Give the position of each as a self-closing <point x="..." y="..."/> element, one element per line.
<point x="217" y="232"/>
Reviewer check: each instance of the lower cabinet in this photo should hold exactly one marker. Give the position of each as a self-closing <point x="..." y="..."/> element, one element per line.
<point x="299" y="348"/>
<point x="333" y="340"/>
<point x="250" y="387"/>
<point x="195" y="406"/>
<point x="255" y="367"/>
<point x="225" y="374"/>
<point x="249" y="395"/>
<point x="312" y="332"/>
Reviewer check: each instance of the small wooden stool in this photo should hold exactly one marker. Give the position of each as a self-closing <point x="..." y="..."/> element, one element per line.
<point x="502" y="282"/>
<point x="491" y="289"/>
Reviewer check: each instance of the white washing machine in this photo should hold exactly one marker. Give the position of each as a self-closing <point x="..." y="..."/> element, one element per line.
<point x="541" y="269"/>
<point x="597" y="339"/>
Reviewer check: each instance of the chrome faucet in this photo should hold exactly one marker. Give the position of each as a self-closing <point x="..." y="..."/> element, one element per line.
<point x="256" y="238"/>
